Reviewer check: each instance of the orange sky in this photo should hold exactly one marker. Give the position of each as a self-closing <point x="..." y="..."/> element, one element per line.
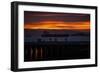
<point x="59" y="25"/>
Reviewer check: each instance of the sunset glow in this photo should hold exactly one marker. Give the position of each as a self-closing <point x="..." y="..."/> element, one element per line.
<point x="59" y="25"/>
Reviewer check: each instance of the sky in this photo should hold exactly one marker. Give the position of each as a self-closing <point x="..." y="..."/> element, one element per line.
<point x="50" y="20"/>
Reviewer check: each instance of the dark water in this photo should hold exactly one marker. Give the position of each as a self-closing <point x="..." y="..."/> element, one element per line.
<point x="43" y="51"/>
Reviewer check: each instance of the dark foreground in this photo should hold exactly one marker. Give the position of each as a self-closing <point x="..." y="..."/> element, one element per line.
<point x="44" y="51"/>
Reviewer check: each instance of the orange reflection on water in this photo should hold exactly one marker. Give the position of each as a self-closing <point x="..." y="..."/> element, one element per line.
<point x="59" y="25"/>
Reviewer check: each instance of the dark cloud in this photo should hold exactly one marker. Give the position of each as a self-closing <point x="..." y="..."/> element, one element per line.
<point x="32" y="17"/>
